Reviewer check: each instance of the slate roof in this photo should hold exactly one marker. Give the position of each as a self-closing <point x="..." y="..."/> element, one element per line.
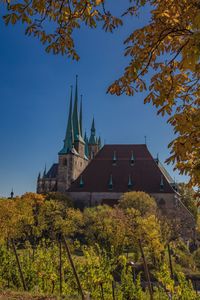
<point x="145" y="174"/>
<point x="53" y="171"/>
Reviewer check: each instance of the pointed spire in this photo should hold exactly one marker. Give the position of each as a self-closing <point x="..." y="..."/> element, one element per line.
<point x="81" y="116"/>
<point x="12" y="194"/>
<point x="39" y="176"/>
<point x="110" y="184"/>
<point x="93" y="126"/>
<point x="85" y="136"/>
<point x="69" y="136"/>
<point x="93" y="139"/>
<point x="76" y="124"/>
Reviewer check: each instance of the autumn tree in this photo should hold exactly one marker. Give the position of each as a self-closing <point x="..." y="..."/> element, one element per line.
<point x="187" y="196"/>
<point x="106" y="226"/>
<point x="140" y="201"/>
<point x="167" y="46"/>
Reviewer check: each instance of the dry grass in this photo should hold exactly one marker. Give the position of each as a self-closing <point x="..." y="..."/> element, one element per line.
<point x="10" y="295"/>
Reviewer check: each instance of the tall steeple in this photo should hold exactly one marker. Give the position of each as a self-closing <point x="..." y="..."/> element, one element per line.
<point x="12" y="194"/>
<point x="76" y="124"/>
<point x="69" y="136"/>
<point x="92" y="139"/>
<point x="81" y="116"/>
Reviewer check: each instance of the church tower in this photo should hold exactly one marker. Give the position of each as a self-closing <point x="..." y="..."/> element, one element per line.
<point x="93" y="144"/>
<point x="72" y="159"/>
<point x="75" y="153"/>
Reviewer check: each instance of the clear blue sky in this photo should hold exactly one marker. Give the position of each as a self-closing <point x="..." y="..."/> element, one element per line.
<point x="34" y="95"/>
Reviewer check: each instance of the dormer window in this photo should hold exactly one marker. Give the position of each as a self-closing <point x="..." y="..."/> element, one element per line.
<point x="132" y="159"/>
<point x="81" y="183"/>
<point x="110" y="184"/>
<point x="161" y="184"/>
<point x="114" y="161"/>
<point x="130" y="183"/>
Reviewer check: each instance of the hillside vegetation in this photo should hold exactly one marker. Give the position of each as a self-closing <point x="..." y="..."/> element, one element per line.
<point x="47" y="247"/>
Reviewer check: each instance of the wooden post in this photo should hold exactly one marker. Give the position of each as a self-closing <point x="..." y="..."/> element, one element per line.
<point x="73" y="267"/>
<point x="19" y="266"/>
<point x="102" y="294"/>
<point x="113" y="290"/>
<point x="170" y="262"/>
<point x="146" y="270"/>
<point x="60" y="265"/>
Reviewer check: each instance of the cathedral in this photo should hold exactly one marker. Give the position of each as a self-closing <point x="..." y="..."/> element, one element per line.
<point x="92" y="174"/>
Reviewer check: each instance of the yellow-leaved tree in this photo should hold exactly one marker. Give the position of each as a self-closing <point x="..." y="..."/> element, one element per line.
<point x="168" y="46"/>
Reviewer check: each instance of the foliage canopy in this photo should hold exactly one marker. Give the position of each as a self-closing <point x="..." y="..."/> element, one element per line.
<point x="168" y="46"/>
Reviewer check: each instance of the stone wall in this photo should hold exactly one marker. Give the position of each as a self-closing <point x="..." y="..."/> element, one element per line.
<point x="46" y="185"/>
<point x="182" y="220"/>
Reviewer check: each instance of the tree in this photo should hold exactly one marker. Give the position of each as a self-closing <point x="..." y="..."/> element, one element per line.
<point x="187" y="196"/>
<point x="168" y="47"/>
<point x="140" y="201"/>
<point x="107" y="227"/>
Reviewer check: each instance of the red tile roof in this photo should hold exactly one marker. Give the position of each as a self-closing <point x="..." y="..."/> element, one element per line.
<point x="145" y="173"/>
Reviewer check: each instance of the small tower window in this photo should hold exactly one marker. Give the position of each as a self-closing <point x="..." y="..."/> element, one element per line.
<point x="132" y="159"/>
<point x="114" y="161"/>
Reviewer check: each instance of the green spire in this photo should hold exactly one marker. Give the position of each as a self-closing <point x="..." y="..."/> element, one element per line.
<point x="86" y="146"/>
<point x="76" y="124"/>
<point x="93" y="126"/>
<point x="81" y="116"/>
<point x="92" y="139"/>
<point x="69" y="136"/>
